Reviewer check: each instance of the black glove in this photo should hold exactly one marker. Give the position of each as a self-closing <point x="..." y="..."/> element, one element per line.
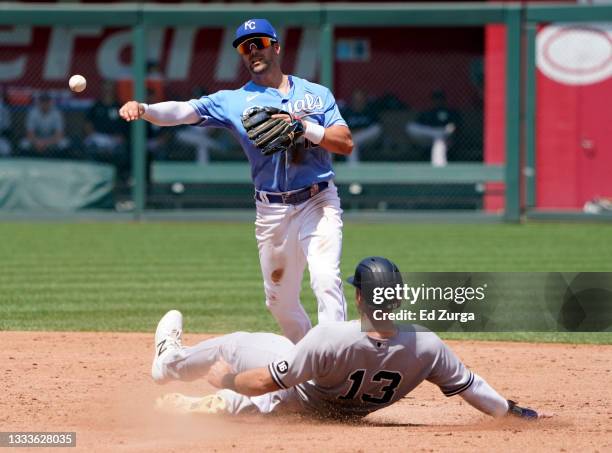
<point x="271" y="135"/>
<point x="522" y="412"/>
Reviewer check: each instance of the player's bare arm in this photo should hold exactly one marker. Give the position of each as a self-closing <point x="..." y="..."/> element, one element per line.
<point x="338" y="140"/>
<point x="171" y="113"/>
<point x="255" y="382"/>
<point x="335" y="139"/>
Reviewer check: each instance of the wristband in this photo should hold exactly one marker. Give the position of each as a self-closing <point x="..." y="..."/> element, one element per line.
<point x="229" y="381"/>
<point x="314" y="132"/>
<point x="145" y="107"/>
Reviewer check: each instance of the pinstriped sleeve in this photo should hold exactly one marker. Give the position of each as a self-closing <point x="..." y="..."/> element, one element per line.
<point x="447" y="370"/>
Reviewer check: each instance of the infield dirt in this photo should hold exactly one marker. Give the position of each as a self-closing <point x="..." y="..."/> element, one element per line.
<point x="98" y="384"/>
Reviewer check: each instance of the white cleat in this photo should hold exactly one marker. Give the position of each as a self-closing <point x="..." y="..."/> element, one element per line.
<point x="177" y="403"/>
<point x="167" y="341"/>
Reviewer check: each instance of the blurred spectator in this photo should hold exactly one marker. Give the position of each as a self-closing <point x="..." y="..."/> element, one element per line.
<point x="199" y="137"/>
<point x="434" y="128"/>
<point x="598" y="205"/>
<point x="159" y="141"/>
<point x="363" y="122"/>
<point x="44" y="130"/>
<point x="5" y="123"/>
<point x="106" y="134"/>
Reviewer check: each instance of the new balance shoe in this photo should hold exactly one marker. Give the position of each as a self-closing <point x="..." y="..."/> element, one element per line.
<point x="177" y="403"/>
<point x="167" y="342"/>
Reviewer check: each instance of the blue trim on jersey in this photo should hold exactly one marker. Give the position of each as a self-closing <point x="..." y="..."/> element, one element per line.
<point x="461" y="388"/>
<point x="281" y="172"/>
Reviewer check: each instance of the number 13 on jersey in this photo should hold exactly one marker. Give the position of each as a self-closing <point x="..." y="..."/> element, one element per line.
<point x="390" y="381"/>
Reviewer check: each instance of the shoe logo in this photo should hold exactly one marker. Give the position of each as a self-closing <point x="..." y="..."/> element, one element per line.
<point x="161" y="347"/>
<point x="253" y="96"/>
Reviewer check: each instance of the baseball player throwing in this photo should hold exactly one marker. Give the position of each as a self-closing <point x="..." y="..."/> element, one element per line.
<point x="287" y="127"/>
<point x="340" y="369"/>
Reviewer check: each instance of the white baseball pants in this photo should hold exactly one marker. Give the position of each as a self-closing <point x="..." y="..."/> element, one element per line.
<point x="291" y="236"/>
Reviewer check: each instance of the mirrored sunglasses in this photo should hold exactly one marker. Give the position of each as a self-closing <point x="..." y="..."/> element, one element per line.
<point x="260" y="42"/>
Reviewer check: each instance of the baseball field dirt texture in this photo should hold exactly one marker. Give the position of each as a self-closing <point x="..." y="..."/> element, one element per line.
<point x="79" y="304"/>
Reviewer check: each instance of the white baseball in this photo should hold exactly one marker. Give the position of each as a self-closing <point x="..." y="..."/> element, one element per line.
<point x="77" y="83"/>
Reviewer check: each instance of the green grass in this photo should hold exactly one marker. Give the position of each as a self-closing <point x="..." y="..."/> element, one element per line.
<point x="123" y="277"/>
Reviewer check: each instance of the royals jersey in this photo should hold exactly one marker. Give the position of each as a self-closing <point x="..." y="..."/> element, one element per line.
<point x="339" y="370"/>
<point x="284" y="171"/>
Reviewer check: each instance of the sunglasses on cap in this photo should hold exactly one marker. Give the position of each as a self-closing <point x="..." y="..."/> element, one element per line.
<point x="262" y="42"/>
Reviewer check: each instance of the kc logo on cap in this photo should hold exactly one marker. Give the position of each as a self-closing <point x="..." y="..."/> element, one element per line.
<point x="252" y="28"/>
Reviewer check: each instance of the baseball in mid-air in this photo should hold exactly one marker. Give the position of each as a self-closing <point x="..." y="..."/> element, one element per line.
<point x="77" y="83"/>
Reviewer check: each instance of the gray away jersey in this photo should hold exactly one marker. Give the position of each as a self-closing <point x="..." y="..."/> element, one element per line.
<point x="338" y="370"/>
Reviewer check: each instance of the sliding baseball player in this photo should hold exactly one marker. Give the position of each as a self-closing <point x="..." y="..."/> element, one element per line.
<point x="341" y="369"/>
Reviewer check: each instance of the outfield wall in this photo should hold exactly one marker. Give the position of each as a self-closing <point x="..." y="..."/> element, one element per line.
<point x="338" y="43"/>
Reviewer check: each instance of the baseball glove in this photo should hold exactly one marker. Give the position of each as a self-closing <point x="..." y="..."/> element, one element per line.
<point x="271" y="135"/>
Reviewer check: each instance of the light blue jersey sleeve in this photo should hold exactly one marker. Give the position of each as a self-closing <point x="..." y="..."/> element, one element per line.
<point x="212" y="109"/>
<point x="332" y="116"/>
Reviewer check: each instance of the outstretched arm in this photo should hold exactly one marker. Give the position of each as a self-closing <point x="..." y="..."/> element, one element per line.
<point x="253" y="382"/>
<point x="484" y="398"/>
<point x="454" y="378"/>
<point x="169" y="113"/>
